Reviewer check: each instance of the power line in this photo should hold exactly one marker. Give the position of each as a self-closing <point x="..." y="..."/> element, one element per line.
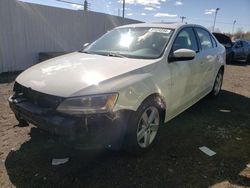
<point x="85" y="4"/>
<point x="210" y="21"/>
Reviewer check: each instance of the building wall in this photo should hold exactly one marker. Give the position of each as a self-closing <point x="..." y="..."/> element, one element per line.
<point x="28" y="29"/>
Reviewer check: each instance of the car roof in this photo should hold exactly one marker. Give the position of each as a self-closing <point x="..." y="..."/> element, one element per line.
<point x="161" y="24"/>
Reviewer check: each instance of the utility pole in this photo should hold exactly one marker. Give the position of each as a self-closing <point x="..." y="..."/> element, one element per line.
<point x="85" y="5"/>
<point x="119" y="14"/>
<point x="123" y="8"/>
<point x="182" y="18"/>
<point x="216" y="11"/>
<point x="233" y="26"/>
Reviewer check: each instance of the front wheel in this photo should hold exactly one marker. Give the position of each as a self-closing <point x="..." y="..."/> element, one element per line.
<point x="217" y="84"/>
<point x="143" y="126"/>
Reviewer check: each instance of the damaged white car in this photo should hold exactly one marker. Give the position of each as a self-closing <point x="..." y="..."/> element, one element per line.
<point x="121" y="88"/>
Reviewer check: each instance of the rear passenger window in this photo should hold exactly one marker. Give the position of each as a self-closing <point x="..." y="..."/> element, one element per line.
<point x="205" y="39"/>
<point x="185" y="39"/>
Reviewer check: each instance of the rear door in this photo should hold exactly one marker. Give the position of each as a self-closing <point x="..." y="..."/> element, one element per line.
<point x="209" y="57"/>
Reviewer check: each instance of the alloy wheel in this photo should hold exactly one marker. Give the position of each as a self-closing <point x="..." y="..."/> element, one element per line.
<point x="218" y="83"/>
<point x="148" y="126"/>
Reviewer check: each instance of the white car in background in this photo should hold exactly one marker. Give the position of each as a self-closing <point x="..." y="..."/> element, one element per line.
<point x="121" y="88"/>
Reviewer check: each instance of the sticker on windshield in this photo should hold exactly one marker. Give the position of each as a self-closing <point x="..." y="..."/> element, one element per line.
<point x="159" y="30"/>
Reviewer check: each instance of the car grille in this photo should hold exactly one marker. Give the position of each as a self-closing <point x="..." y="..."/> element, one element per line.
<point x="37" y="98"/>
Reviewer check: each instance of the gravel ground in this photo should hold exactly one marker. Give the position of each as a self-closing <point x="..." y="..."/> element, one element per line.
<point x="222" y="124"/>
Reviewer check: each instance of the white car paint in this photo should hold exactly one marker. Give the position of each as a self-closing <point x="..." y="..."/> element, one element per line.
<point x="180" y="83"/>
<point x="67" y="74"/>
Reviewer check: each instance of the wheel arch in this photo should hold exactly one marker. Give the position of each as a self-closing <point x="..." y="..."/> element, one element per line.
<point x="159" y="100"/>
<point x="222" y="68"/>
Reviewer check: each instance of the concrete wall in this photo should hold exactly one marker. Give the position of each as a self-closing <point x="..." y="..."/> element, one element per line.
<point x="27" y="29"/>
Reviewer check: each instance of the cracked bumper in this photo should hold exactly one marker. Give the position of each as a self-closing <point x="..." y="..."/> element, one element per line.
<point x="107" y="129"/>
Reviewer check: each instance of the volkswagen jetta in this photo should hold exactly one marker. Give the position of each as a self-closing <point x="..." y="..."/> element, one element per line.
<point x="124" y="86"/>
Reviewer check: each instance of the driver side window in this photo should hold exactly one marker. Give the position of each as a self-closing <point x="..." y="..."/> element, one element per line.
<point x="186" y="39"/>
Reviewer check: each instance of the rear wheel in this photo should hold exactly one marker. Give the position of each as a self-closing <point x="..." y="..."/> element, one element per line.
<point x="229" y="58"/>
<point x="232" y="58"/>
<point x="21" y="122"/>
<point x="248" y="58"/>
<point x="217" y="84"/>
<point x="143" y="126"/>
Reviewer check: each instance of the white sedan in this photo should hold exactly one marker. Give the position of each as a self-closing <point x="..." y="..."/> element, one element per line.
<point x="121" y="88"/>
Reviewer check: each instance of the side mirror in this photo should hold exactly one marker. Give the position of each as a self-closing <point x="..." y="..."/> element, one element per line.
<point x="182" y="55"/>
<point x="84" y="46"/>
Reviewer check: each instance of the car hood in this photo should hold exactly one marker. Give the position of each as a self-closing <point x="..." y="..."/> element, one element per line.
<point x="67" y="74"/>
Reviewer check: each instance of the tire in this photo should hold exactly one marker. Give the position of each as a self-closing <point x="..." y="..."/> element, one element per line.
<point x="229" y="59"/>
<point x="21" y="122"/>
<point x="217" y="84"/>
<point x="232" y="58"/>
<point x="248" y="59"/>
<point x="140" y="137"/>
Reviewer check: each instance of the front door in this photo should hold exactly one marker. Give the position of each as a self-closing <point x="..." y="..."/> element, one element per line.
<point x="184" y="73"/>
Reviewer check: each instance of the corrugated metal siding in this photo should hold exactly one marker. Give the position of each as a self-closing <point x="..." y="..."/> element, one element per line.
<point x="27" y="29"/>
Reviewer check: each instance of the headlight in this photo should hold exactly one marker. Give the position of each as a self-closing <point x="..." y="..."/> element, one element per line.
<point x="88" y="104"/>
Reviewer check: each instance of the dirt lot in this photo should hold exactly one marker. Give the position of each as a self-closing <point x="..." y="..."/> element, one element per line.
<point x="222" y="124"/>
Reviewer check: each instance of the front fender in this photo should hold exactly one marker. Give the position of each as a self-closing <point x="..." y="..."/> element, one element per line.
<point x="132" y="87"/>
<point x="137" y="89"/>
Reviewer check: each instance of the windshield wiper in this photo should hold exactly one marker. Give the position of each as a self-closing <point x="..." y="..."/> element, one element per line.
<point x="86" y="52"/>
<point x="115" y="54"/>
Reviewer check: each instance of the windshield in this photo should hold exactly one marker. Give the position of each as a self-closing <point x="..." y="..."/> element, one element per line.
<point x="145" y="43"/>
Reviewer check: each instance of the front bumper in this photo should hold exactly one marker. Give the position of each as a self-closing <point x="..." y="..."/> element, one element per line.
<point x="106" y="129"/>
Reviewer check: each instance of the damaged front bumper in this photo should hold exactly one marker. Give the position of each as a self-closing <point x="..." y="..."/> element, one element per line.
<point x="107" y="129"/>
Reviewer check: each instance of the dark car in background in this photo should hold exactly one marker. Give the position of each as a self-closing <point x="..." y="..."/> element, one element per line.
<point x="241" y="51"/>
<point x="227" y="43"/>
